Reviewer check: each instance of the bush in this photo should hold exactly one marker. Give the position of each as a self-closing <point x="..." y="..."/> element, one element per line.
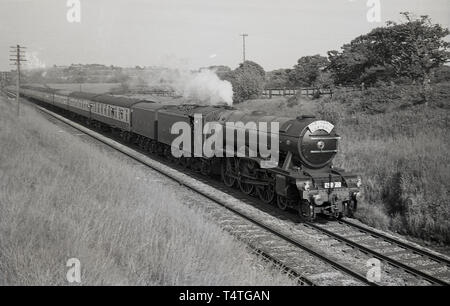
<point x="385" y="98"/>
<point x="247" y="80"/>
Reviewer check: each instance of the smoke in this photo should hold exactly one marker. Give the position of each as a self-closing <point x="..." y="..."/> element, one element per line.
<point x="204" y="86"/>
<point x="33" y="61"/>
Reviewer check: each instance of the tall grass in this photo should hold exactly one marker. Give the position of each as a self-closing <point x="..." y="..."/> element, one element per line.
<point x="61" y="197"/>
<point x="403" y="157"/>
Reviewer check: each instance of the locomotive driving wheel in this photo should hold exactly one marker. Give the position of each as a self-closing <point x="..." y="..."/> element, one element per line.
<point x="246" y="170"/>
<point x="229" y="171"/>
<point x="266" y="193"/>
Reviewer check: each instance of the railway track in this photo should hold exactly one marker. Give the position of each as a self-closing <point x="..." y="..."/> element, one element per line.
<point x="418" y="264"/>
<point x="416" y="261"/>
<point x="286" y="251"/>
<point x="413" y="265"/>
<point x="300" y="261"/>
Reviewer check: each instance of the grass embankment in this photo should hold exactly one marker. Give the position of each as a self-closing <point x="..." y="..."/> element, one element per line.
<point x="61" y="197"/>
<point x="400" y="147"/>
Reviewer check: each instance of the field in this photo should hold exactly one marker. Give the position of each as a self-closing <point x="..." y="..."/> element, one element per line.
<point x="401" y="151"/>
<point x="61" y="197"/>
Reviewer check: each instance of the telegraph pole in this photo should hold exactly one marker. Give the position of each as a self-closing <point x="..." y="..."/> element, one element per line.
<point x="243" y="45"/>
<point x="17" y="57"/>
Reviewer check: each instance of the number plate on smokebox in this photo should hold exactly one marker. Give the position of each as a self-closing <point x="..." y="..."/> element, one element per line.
<point x="333" y="185"/>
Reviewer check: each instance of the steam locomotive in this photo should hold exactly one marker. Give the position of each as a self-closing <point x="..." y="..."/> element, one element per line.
<point x="303" y="177"/>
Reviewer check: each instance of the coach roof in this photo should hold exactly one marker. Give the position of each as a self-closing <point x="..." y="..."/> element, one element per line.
<point x="107" y="99"/>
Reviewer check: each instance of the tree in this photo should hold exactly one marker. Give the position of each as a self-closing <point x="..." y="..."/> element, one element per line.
<point x="247" y="80"/>
<point x="307" y="70"/>
<point x="278" y="78"/>
<point x="409" y="50"/>
<point x="220" y="70"/>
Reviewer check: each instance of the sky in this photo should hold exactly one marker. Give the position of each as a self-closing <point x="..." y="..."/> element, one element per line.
<point x="193" y="33"/>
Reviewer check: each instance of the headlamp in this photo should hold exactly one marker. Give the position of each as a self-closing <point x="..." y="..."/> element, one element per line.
<point x="305" y="185"/>
<point x="359" y="182"/>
